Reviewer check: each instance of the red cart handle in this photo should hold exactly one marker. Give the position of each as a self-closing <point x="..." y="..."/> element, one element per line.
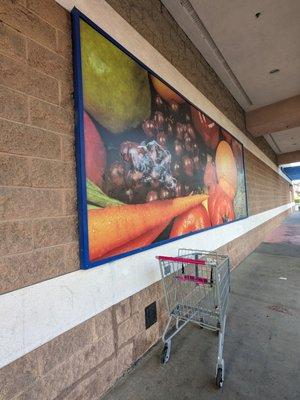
<point x="182" y="260"/>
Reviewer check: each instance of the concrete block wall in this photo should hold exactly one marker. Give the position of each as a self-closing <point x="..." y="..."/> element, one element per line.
<point x="85" y="361"/>
<point x="266" y="189"/>
<point x="38" y="225"/>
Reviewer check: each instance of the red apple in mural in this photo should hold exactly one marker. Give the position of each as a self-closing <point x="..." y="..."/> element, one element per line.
<point x="95" y="154"/>
<point x="206" y="127"/>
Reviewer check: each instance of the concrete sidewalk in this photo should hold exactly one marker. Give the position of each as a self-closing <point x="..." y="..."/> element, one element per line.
<point x="262" y="342"/>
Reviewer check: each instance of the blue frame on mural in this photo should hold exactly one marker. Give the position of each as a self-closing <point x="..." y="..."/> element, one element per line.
<point x="85" y="263"/>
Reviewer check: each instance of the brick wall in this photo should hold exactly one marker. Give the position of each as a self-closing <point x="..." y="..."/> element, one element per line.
<point x="86" y="360"/>
<point x="265" y="188"/>
<point x="38" y="226"/>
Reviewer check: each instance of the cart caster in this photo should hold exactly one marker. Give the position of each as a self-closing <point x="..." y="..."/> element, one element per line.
<point x="201" y="322"/>
<point x="165" y="355"/>
<point x="219" y="378"/>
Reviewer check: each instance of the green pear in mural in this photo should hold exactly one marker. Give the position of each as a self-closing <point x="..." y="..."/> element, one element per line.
<point x="115" y="88"/>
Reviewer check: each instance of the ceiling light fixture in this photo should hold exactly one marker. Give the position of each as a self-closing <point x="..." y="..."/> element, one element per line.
<point x="274" y="71"/>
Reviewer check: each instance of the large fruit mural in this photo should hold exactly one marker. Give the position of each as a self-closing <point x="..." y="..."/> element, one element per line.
<point x="155" y="167"/>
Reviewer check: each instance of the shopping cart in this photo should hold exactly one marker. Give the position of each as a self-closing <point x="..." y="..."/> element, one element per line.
<point x="196" y="286"/>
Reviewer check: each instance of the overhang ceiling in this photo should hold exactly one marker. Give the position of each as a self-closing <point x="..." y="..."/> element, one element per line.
<point x="255" y="46"/>
<point x="285" y="141"/>
<point x="244" y="41"/>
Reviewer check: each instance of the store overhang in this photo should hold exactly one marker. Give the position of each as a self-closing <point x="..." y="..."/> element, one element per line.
<point x="293" y="173"/>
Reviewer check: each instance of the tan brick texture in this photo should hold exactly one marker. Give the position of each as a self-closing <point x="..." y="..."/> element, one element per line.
<point x="38" y="226"/>
<point x="265" y="188"/>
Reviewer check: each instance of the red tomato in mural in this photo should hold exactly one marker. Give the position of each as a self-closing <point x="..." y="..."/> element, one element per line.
<point x="95" y="154"/>
<point x="192" y="220"/>
<point x="220" y="206"/>
<point x="206" y="127"/>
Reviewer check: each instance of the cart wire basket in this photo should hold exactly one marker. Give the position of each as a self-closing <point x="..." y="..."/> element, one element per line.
<point x="196" y="287"/>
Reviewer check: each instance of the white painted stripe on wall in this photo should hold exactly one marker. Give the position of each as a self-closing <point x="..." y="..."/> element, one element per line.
<point x="103" y="15"/>
<point x="36" y="314"/>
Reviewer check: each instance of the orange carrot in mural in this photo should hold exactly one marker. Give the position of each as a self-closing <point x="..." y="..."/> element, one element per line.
<point x="113" y="227"/>
<point x="141" y="241"/>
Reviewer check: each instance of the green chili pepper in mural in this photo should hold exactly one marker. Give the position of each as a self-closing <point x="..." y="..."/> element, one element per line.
<point x="96" y="197"/>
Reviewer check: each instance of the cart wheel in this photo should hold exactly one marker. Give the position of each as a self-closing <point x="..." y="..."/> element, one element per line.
<point x="201" y="321"/>
<point x="165" y="355"/>
<point x="219" y="379"/>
